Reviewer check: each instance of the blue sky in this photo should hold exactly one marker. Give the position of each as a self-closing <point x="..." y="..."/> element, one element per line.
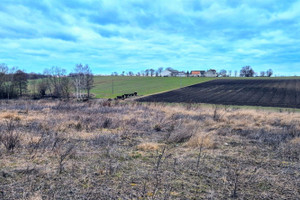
<point x="132" y="35"/>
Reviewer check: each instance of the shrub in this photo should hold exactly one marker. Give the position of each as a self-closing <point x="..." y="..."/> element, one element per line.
<point x="157" y="127"/>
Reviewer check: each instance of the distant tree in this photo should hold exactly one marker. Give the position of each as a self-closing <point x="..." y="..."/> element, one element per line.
<point x="115" y="74"/>
<point x="3" y="74"/>
<point x="187" y="73"/>
<point x="147" y="72"/>
<point x="56" y="80"/>
<point x="130" y="73"/>
<point x="269" y="72"/>
<point x="247" y="71"/>
<point x="21" y="81"/>
<point x="10" y="85"/>
<point x="159" y="70"/>
<point x="42" y="87"/>
<point x="88" y="80"/>
<point x="222" y="73"/>
<point x="78" y="80"/>
<point x="229" y="73"/>
<point x="235" y="73"/>
<point x="138" y="74"/>
<point x="151" y="72"/>
<point x="123" y="73"/>
<point x="83" y="79"/>
<point x="262" y="73"/>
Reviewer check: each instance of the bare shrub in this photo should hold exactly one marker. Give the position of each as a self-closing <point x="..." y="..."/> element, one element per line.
<point x="107" y="122"/>
<point x="63" y="153"/>
<point x="9" y="137"/>
<point x="157" y="127"/>
<point x="106" y="140"/>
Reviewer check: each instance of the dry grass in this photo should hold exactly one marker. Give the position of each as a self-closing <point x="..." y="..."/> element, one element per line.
<point x="201" y="139"/>
<point x="149" y="146"/>
<point x="96" y="150"/>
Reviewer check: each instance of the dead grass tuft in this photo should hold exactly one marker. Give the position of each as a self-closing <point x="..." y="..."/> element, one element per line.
<point x="205" y="140"/>
<point x="295" y="140"/>
<point x="149" y="146"/>
<point x="10" y="116"/>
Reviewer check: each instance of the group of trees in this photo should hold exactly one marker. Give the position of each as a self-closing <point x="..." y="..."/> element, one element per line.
<point x="54" y="82"/>
<point x="13" y="82"/>
<point x="147" y="72"/>
<point x="246" y="71"/>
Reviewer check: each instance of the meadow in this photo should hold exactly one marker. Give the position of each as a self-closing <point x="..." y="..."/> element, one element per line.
<point x="131" y="150"/>
<point x="112" y="86"/>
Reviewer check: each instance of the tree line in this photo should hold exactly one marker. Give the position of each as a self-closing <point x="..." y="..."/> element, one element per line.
<point x="54" y="82"/>
<point x="246" y="71"/>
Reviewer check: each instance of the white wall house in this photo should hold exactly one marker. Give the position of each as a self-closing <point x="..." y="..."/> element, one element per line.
<point x="211" y="73"/>
<point x="169" y="72"/>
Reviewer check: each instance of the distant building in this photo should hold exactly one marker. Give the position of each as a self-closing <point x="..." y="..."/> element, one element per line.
<point x="181" y="74"/>
<point x="168" y="73"/>
<point x="211" y="73"/>
<point x="200" y="73"/>
<point x="172" y="72"/>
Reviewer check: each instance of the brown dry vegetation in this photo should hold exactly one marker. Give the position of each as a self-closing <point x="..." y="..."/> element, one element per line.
<point x="109" y="150"/>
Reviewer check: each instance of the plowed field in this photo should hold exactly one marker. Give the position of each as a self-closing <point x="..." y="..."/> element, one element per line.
<point x="252" y="92"/>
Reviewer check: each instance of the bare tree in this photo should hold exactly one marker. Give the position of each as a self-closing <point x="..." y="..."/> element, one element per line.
<point x="130" y="73"/>
<point x="3" y="73"/>
<point x="229" y="73"/>
<point x="83" y="79"/>
<point x="247" y="71"/>
<point x="222" y="73"/>
<point x="159" y="70"/>
<point x="88" y="80"/>
<point x="235" y="73"/>
<point x="147" y="72"/>
<point x="21" y="81"/>
<point x="262" y="73"/>
<point x="78" y="80"/>
<point x="151" y="72"/>
<point x="269" y="72"/>
<point x="56" y="79"/>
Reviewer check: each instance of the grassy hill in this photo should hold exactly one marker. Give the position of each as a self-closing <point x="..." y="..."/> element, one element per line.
<point x="111" y="86"/>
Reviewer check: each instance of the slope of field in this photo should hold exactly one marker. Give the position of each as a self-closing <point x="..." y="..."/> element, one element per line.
<point x="252" y="92"/>
<point x="110" y="87"/>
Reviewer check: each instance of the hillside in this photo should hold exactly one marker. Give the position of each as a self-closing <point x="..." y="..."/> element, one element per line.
<point x="111" y="86"/>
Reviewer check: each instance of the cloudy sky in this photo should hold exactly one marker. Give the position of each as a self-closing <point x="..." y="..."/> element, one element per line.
<point x="132" y="35"/>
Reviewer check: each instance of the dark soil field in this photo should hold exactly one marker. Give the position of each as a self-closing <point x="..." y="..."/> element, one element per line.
<point x="252" y="92"/>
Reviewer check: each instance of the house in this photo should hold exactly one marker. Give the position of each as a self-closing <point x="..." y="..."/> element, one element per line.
<point x="211" y="73"/>
<point x="200" y="73"/>
<point x="169" y="72"/>
<point x="181" y="74"/>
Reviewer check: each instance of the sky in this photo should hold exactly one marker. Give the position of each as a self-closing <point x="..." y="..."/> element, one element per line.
<point x="134" y="35"/>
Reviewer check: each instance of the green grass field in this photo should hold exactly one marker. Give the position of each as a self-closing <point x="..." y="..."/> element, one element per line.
<point x="112" y="86"/>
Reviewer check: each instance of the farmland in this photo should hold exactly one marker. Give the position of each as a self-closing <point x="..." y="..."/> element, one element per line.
<point x="131" y="150"/>
<point x="251" y="92"/>
<point x="112" y="86"/>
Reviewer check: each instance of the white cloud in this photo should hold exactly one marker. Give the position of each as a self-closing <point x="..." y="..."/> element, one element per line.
<point x="139" y="34"/>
